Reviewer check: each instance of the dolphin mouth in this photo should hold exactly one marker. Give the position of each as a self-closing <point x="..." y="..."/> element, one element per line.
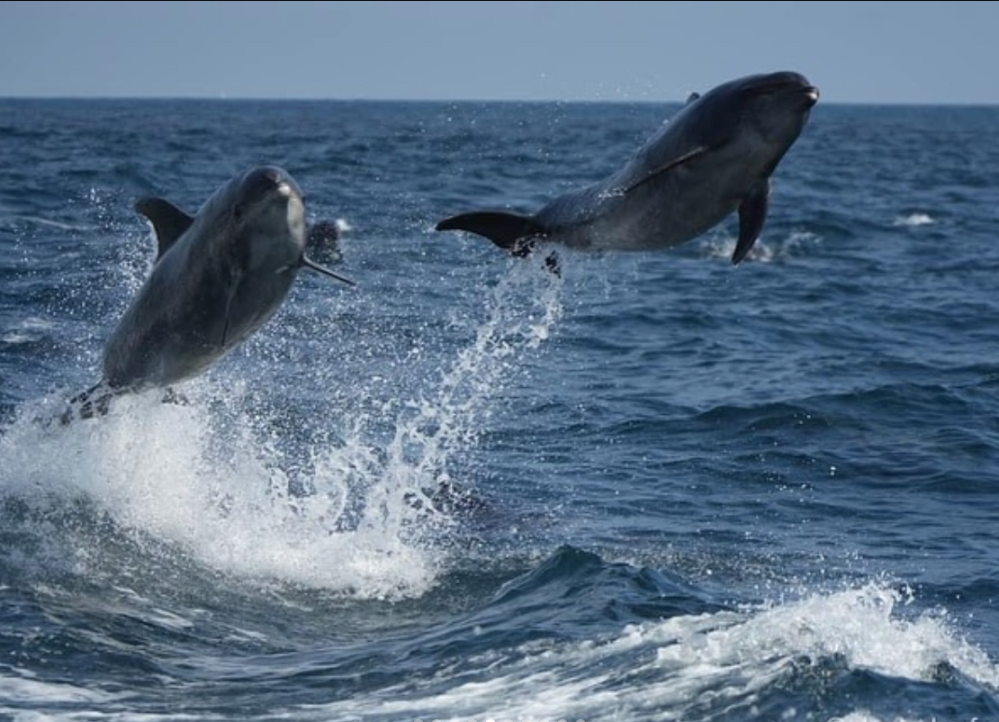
<point x="787" y="84"/>
<point x="287" y="190"/>
<point x="268" y="183"/>
<point x="810" y="94"/>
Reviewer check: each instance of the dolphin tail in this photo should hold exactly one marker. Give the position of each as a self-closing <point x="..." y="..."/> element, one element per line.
<point x="510" y="231"/>
<point x="95" y="401"/>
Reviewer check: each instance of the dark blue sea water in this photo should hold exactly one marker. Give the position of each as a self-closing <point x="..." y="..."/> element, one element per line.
<point x="687" y="490"/>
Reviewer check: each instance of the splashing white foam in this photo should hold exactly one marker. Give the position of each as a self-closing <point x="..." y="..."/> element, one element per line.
<point x="679" y="668"/>
<point x="211" y="480"/>
<point x="722" y="246"/>
<point x="447" y="418"/>
<point x="915" y="219"/>
<point x="178" y="474"/>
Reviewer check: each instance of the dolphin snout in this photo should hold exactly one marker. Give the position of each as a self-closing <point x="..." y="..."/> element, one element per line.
<point x="783" y="82"/>
<point x="788" y="84"/>
<point x="261" y="182"/>
<point x="811" y="95"/>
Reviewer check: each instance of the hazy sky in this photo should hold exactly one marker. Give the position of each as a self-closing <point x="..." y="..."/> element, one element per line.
<point x="867" y="52"/>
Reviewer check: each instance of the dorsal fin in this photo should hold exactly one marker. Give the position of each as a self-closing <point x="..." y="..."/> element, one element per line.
<point x="168" y="221"/>
<point x="692" y="97"/>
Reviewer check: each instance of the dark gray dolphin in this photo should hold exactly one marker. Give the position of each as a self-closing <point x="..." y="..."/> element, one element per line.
<point x="323" y="241"/>
<point x="714" y="157"/>
<point x="218" y="277"/>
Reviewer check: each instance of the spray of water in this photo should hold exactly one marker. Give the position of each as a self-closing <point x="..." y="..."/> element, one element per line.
<point x="210" y="478"/>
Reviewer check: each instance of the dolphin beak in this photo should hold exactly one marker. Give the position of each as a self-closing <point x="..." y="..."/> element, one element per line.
<point x="308" y="263"/>
<point x="787" y="84"/>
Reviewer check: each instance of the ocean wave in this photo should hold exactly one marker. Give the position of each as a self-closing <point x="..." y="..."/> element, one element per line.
<point x="845" y="654"/>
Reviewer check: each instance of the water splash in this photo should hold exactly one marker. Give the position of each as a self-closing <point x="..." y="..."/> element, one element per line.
<point x="914" y="219"/>
<point x="770" y="662"/>
<point x="519" y="316"/>
<point x="212" y="480"/>
<point x="720" y="245"/>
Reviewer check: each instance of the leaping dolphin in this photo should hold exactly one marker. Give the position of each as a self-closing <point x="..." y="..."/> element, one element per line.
<point x="218" y="277"/>
<point x="715" y="156"/>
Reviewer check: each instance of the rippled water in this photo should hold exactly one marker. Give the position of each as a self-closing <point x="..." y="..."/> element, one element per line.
<point x="685" y="490"/>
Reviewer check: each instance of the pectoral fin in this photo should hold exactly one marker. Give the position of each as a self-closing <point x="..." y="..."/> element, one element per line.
<point x="752" y="216"/>
<point x="318" y="268"/>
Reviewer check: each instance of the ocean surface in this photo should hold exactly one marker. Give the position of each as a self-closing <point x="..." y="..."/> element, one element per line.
<point x="655" y="487"/>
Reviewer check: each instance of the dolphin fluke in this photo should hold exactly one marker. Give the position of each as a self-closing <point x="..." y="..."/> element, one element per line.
<point x="95" y="401"/>
<point x="507" y="230"/>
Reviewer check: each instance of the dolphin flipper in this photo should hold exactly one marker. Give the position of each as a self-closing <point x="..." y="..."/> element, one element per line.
<point x="507" y="230"/>
<point x="169" y="221"/>
<point x="319" y="268"/>
<point x="752" y="216"/>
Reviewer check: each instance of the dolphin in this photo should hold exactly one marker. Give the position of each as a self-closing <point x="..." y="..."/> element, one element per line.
<point x="218" y="277"/>
<point x="323" y="241"/>
<point x="714" y="157"/>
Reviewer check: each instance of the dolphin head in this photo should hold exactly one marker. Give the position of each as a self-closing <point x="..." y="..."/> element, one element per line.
<point x="764" y="113"/>
<point x="268" y="213"/>
<point x="273" y="235"/>
<point x="790" y="90"/>
<point x="777" y="106"/>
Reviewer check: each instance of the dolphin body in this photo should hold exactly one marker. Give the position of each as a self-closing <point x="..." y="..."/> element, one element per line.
<point x="218" y="277"/>
<point x="714" y="157"/>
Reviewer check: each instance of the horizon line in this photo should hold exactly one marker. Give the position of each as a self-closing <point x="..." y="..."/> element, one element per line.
<point x="524" y="101"/>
